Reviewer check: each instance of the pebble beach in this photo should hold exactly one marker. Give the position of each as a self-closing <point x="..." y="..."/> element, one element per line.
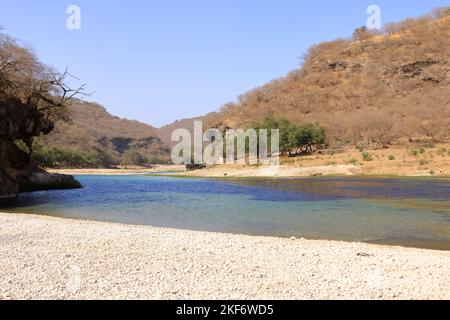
<point x="52" y="258"/>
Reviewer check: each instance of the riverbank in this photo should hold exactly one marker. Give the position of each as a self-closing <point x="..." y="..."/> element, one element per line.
<point x="395" y="162"/>
<point x="156" y="169"/>
<point x="399" y="162"/>
<point x="52" y="258"/>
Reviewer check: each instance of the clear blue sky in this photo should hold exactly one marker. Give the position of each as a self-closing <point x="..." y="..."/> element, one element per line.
<point x="158" y="61"/>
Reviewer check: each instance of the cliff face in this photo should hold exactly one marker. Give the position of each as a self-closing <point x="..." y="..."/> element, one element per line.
<point x="18" y="172"/>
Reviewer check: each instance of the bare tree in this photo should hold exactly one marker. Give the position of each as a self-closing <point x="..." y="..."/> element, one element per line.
<point x="30" y="89"/>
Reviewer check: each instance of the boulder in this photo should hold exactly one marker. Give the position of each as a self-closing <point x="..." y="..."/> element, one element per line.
<point x="37" y="181"/>
<point x="192" y="167"/>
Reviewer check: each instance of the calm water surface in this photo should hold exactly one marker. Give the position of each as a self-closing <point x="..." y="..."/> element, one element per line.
<point x="409" y="212"/>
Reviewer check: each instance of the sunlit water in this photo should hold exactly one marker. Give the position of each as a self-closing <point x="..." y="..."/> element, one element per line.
<point x="409" y="212"/>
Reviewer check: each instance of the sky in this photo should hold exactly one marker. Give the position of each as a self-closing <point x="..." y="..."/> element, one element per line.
<point x="159" y="61"/>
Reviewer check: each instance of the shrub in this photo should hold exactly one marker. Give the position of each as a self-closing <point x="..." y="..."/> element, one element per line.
<point x="353" y="161"/>
<point x="133" y="157"/>
<point x="285" y="128"/>
<point x="429" y="145"/>
<point x="361" y="146"/>
<point x="391" y="157"/>
<point x="57" y="157"/>
<point x="309" y="135"/>
<point x="156" y="160"/>
<point x="414" y="152"/>
<point x="442" y="151"/>
<point x="366" y="156"/>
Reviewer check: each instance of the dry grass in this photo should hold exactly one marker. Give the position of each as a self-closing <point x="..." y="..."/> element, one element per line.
<point x="392" y="161"/>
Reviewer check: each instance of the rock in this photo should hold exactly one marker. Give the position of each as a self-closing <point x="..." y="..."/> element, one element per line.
<point x="362" y="254"/>
<point x="316" y="174"/>
<point x="8" y="186"/>
<point x="338" y="65"/>
<point x="45" y="181"/>
<point x="192" y="167"/>
<point x="18" y="171"/>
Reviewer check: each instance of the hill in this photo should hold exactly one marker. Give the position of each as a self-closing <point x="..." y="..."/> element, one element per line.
<point x="373" y="90"/>
<point x="114" y="140"/>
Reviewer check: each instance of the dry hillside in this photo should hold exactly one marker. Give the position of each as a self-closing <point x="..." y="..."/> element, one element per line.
<point x="94" y="129"/>
<point x="371" y="90"/>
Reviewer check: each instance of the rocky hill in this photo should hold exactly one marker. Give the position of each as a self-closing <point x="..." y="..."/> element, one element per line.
<point x="390" y="88"/>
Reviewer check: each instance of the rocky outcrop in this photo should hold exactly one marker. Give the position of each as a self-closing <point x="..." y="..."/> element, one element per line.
<point x="45" y="181"/>
<point x="18" y="172"/>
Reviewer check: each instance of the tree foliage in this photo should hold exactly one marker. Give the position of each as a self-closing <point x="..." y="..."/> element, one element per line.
<point x="294" y="139"/>
<point x="36" y="85"/>
<point x="67" y="157"/>
<point x="32" y="97"/>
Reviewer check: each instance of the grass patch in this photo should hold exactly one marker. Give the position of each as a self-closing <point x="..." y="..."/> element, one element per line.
<point x="367" y="156"/>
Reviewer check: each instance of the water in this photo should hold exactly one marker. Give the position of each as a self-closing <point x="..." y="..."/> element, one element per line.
<point x="408" y="212"/>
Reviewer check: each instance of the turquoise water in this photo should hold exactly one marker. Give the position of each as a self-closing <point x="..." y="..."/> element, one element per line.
<point x="409" y="212"/>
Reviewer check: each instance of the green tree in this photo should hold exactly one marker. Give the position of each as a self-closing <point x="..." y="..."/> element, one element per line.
<point x="286" y="129"/>
<point x="307" y="136"/>
<point x="294" y="138"/>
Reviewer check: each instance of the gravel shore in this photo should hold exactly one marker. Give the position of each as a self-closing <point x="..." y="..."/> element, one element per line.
<point x="51" y="258"/>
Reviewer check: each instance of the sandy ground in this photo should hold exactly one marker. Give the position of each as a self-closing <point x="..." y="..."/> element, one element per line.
<point x="122" y="171"/>
<point x="412" y="161"/>
<point x="273" y="171"/>
<point x="44" y="257"/>
<point x="225" y="171"/>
